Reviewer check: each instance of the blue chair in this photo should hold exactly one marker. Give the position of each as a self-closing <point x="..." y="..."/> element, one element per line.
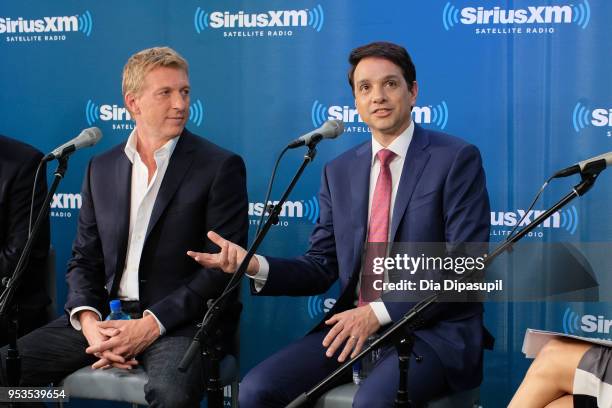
<point x="342" y="397"/>
<point x="121" y="385"/>
<point x="128" y="385"/>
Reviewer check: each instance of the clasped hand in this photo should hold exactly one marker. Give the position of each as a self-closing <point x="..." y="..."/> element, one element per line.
<point x="117" y="342"/>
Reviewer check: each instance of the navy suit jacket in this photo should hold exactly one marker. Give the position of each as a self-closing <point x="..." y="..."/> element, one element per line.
<point x="441" y="197"/>
<point x="204" y="189"/>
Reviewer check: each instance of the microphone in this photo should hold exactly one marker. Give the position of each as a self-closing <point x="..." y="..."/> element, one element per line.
<point x="88" y="137"/>
<point x="329" y="130"/>
<point x="597" y="164"/>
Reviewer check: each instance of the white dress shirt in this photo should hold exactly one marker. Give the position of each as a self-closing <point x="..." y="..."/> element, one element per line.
<point x="399" y="146"/>
<point x="142" y="199"/>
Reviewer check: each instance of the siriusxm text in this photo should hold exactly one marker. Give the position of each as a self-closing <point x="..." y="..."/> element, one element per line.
<point x="529" y="15"/>
<point x="290" y="209"/>
<point x="43" y="25"/>
<point x="510" y="218"/>
<point x="595" y="324"/>
<point x="272" y="18"/>
<point x="601" y="117"/>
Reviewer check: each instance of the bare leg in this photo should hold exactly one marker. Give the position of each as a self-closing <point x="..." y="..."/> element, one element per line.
<point x="551" y="375"/>
<point x="563" y="402"/>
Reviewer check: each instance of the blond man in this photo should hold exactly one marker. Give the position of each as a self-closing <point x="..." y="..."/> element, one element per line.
<point x="145" y="202"/>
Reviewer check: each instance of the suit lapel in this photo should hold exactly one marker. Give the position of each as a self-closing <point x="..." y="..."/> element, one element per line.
<point x="123" y="177"/>
<point x="180" y="161"/>
<point x="416" y="159"/>
<point x="359" y="176"/>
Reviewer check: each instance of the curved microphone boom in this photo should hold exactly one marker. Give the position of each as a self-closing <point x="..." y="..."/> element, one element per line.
<point x="597" y="164"/>
<point x="329" y="130"/>
<point x="88" y="137"/>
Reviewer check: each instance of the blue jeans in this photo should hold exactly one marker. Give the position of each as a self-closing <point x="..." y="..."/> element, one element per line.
<point x="51" y="352"/>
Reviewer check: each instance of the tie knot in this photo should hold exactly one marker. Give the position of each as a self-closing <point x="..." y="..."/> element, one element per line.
<point x="385" y="156"/>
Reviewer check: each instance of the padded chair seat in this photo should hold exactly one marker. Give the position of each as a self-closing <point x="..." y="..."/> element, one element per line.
<point x="117" y="384"/>
<point x="342" y="397"/>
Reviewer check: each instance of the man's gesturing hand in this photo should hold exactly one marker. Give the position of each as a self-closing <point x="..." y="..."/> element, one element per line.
<point x="351" y="327"/>
<point x="227" y="259"/>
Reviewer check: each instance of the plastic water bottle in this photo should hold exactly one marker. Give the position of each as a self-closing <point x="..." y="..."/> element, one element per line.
<point x="357" y="378"/>
<point x="116" y="312"/>
<point x="363" y="367"/>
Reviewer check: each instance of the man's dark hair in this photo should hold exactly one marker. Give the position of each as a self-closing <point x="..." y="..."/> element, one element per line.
<point x="389" y="51"/>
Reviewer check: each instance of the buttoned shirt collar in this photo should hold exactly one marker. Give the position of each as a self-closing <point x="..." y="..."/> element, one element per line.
<point x="399" y="146"/>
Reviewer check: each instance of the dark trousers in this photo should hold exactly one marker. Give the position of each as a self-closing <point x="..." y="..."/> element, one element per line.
<point x="52" y="352"/>
<point x="29" y="320"/>
<point x="298" y="367"/>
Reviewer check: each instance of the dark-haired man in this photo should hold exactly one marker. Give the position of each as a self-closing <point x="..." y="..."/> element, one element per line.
<point x="407" y="184"/>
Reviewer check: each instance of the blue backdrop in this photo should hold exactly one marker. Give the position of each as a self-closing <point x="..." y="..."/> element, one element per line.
<point x="528" y="82"/>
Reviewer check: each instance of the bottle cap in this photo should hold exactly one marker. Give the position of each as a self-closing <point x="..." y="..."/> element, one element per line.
<point x="115" y="305"/>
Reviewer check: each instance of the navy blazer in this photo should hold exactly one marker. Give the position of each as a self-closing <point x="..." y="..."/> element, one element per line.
<point x="204" y="189"/>
<point x="441" y="197"/>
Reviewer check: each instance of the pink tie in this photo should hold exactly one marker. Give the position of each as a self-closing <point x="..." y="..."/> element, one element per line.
<point x="378" y="230"/>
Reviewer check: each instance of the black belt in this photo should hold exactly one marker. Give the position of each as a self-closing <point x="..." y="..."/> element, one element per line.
<point x="132" y="307"/>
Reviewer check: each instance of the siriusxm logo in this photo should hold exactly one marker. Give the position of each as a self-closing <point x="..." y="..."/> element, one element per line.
<point x="251" y="24"/>
<point x="583" y="117"/>
<point x="566" y="219"/>
<point x="318" y="307"/>
<point x="308" y="209"/>
<point x="578" y="14"/>
<point x="436" y="115"/>
<point x="95" y="112"/>
<point x="63" y="203"/>
<point x="116" y="113"/>
<point x="573" y="323"/>
<point x="66" y="201"/>
<point x="272" y="18"/>
<point x="60" y="24"/>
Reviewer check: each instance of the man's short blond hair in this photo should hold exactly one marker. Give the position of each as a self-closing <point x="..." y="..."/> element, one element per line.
<point x="141" y="63"/>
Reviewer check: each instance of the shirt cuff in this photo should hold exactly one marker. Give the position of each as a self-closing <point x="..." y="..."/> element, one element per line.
<point x="74" y="318"/>
<point x="162" y="329"/>
<point x="380" y="310"/>
<point x="260" y="278"/>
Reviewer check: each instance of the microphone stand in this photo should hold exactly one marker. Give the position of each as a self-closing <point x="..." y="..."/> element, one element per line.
<point x="204" y="339"/>
<point x="8" y="312"/>
<point x="401" y="333"/>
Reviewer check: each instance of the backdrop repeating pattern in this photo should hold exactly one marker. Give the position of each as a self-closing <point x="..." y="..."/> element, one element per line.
<point x="527" y="81"/>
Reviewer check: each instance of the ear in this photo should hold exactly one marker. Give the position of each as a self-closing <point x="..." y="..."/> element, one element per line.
<point x="414" y="92"/>
<point x="131" y="103"/>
